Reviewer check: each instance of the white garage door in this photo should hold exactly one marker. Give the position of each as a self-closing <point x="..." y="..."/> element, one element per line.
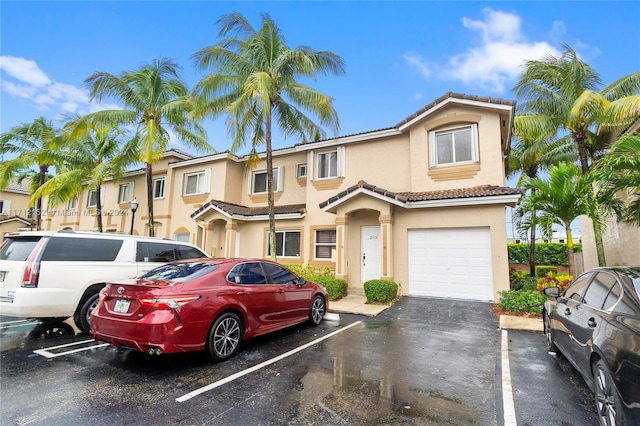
<point x="452" y="263"/>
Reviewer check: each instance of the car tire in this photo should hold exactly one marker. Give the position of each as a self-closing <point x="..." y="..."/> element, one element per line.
<point x="82" y="318"/>
<point x="51" y="330"/>
<point x="551" y="346"/>
<point x="317" y="310"/>
<point x="224" y="337"/>
<point x="608" y="403"/>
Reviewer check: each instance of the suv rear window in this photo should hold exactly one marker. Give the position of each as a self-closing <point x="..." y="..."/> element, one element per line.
<point x="18" y="248"/>
<point x="68" y="249"/>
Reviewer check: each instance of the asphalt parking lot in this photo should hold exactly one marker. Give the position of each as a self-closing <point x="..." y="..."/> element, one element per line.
<point x="420" y="362"/>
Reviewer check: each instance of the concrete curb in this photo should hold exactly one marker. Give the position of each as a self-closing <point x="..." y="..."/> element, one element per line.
<point x="520" y="323"/>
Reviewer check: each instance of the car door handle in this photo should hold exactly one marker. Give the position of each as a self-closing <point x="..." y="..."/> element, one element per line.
<point x="592" y="322"/>
<point x="242" y="293"/>
<point x="567" y="311"/>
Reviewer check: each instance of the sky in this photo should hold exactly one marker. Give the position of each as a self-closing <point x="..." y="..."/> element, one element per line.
<point x="399" y="55"/>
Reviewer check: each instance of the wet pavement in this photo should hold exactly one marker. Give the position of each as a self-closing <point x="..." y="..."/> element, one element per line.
<point x="419" y="362"/>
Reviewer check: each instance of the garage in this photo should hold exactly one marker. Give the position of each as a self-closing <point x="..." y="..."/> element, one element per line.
<point x="452" y="263"/>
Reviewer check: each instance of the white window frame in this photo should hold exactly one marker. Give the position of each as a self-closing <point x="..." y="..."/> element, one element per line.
<point x="301" y="170"/>
<point x="433" y="146"/>
<point x="313" y="167"/>
<point x="278" y="177"/>
<point x="102" y="191"/>
<point x="284" y="245"/>
<point x="202" y="187"/>
<point x="157" y="182"/>
<point x="316" y="243"/>
<point x="183" y="237"/>
<point x="72" y="204"/>
<point x="123" y="197"/>
<point x="5" y="207"/>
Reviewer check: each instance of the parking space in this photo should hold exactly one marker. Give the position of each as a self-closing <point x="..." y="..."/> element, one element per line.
<point x="422" y="361"/>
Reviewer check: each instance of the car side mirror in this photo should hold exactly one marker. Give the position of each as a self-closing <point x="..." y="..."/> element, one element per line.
<point x="301" y="281"/>
<point x="551" y="291"/>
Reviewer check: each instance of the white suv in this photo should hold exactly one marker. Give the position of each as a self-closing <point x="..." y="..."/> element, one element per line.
<point x="58" y="274"/>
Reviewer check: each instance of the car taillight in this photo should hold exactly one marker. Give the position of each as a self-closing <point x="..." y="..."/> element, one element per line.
<point x="172" y="302"/>
<point x="32" y="270"/>
<point x="102" y="295"/>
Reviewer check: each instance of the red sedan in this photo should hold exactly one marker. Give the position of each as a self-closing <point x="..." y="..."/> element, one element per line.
<point x="205" y="304"/>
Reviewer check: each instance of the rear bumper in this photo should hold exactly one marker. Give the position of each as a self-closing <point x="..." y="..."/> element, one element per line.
<point x="39" y="303"/>
<point x="160" y="331"/>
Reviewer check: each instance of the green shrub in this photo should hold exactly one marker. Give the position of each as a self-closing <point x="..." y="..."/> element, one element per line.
<point x="516" y="278"/>
<point x="522" y="301"/>
<point x="543" y="270"/>
<point x="529" y="284"/>
<point x="336" y="288"/>
<point x="384" y="291"/>
<point x="546" y="253"/>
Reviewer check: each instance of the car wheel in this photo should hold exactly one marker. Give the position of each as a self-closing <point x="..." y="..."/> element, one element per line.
<point x="225" y="337"/>
<point x="551" y="346"/>
<point x="316" y="312"/>
<point x="83" y="317"/>
<point x="51" y="329"/>
<point x="608" y="402"/>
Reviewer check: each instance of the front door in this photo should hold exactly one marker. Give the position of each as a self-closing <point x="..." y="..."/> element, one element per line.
<point x="371" y="253"/>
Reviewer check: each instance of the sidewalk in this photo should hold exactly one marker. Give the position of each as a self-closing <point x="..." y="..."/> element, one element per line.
<point x="355" y="304"/>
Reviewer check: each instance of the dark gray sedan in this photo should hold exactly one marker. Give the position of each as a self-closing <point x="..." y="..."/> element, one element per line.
<point x="595" y="323"/>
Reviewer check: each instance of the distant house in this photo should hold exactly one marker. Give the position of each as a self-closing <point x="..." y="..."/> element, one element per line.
<point x="14" y="207"/>
<point x="421" y="203"/>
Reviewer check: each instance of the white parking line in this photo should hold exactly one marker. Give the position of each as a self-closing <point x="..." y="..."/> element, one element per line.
<point x="2" y="324"/>
<point x="261" y="365"/>
<point x="507" y="391"/>
<point x="47" y="354"/>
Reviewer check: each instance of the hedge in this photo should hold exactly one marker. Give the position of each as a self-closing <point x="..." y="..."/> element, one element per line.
<point x="546" y="253"/>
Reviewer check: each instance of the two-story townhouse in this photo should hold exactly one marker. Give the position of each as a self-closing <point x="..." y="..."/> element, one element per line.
<point x="421" y="203"/>
<point x="14" y="207"/>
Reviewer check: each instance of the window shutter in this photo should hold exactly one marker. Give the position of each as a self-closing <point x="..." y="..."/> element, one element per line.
<point x="6" y="207"/>
<point x="280" y="183"/>
<point x="207" y="177"/>
<point x="182" y="185"/>
<point x="310" y="167"/>
<point x="341" y="161"/>
<point x="249" y="183"/>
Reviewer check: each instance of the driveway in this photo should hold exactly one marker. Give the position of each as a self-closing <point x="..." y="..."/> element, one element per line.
<point x="420" y="362"/>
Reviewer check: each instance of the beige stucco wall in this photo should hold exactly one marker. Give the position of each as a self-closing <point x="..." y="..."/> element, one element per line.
<point x="621" y="244"/>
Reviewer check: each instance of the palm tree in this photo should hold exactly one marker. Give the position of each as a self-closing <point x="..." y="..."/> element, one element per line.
<point x="560" y="200"/>
<point x="619" y="170"/>
<point x="561" y="94"/>
<point x="36" y="144"/>
<point x="253" y="81"/>
<point x="96" y="154"/>
<point x="530" y="154"/>
<point x="156" y="101"/>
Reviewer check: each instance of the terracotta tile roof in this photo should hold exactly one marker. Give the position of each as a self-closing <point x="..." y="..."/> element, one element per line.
<point x="409" y="197"/>
<point x="236" y="209"/>
<point x="19" y="187"/>
<point x="456" y="96"/>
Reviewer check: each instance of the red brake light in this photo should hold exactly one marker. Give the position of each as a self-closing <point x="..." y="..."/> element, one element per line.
<point x="172" y="302"/>
<point x="32" y="270"/>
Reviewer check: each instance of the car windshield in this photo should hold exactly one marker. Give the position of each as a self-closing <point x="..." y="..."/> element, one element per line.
<point x="18" y="248"/>
<point x="180" y="271"/>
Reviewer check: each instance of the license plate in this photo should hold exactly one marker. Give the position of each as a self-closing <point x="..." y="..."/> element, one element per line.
<point x="122" y="306"/>
<point x="2" y="274"/>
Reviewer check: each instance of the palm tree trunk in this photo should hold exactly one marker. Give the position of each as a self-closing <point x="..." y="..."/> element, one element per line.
<point x="580" y="138"/>
<point x="532" y="248"/>
<point x="43" y="176"/>
<point x="99" y="208"/>
<point x="570" y="256"/>
<point x="149" y="176"/>
<point x="270" y="190"/>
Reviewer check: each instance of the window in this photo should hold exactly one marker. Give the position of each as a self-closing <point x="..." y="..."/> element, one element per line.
<point x="72" y="204"/>
<point x="71" y="249"/>
<point x="247" y="273"/>
<point x="158" y="188"/>
<point x="92" y="199"/>
<point x="301" y="170"/>
<point x="186" y="252"/>
<point x="577" y="288"/>
<point x="125" y="193"/>
<point x="259" y="181"/>
<point x="278" y="274"/>
<point x="454" y="146"/>
<point x="155" y="252"/>
<point x="599" y="290"/>
<point x="325" y="241"/>
<point x="196" y="183"/>
<point x="5" y="207"/>
<point x="287" y="243"/>
<point x="328" y="165"/>
<point x="184" y="238"/>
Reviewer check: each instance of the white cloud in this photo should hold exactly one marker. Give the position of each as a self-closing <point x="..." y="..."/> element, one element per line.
<point x="32" y="86"/>
<point x="24" y="70"/>
<point x="496" y="62"/>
